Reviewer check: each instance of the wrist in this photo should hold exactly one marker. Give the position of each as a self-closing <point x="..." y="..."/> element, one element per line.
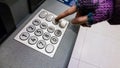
<point x="90" y="19"/>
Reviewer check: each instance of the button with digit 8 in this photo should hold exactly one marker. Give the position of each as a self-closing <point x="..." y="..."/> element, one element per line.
<point x="41" y="44"/>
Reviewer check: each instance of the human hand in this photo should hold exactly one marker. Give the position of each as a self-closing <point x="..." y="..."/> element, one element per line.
<point x="78" y="18"/>
<point x="102" y="11"/>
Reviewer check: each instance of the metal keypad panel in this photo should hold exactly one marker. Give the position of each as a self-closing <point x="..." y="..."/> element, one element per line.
<point x="42" y="33"/>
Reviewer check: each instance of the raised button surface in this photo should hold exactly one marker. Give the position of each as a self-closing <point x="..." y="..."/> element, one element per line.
<point x="36" y="22"/>
<point x="49" y="48"/>
<point x="43" y="14"/>
<point x="50" y="29"/>
<point x="31" y="28"/>
<point x="54" y="40"/>
<point x="41" y="44"/>
<point x="44" y="25"/>
<point x="49" y="17"/>
<point x="24" y="36"/>
<point x="62" y="23"/>
<point x="38" y="32"/>
<point x="46" y="36"/>
<point x="32" y="40"/>
<point x="58" y="33"/>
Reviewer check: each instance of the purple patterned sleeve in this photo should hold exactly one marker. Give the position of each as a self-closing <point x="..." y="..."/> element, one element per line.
<point x="104" y="11"/>
<point x="101" y="9"/>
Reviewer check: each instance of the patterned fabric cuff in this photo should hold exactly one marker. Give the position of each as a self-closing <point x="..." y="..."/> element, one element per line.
<point x="77" y="4"/>
<point x="90" y="19"/>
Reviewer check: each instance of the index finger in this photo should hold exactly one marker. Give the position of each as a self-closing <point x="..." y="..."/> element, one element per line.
<point x="69" y="11"/>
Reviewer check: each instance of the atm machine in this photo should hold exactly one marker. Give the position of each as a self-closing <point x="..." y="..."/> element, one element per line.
<point x="16" y="54"/>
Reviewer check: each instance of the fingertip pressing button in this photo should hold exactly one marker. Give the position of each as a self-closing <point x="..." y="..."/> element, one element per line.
<point x="54" y="22"/>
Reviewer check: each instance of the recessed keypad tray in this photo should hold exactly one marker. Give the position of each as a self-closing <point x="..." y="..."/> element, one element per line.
<point x="42" y="33"/>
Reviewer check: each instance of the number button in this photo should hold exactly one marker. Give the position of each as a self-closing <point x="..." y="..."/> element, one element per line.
<point x="36" y="22"/>
<point x="49" y="18"/>
<point x="43" y="14"/>
<point x="58" y="33"/>
<point x="24" y="36"/>
<point x="54" y="22"/>
<point x="54" y="40"/>
<point x="31" y="28"/>
<point x="49" y="48"/>
<point x="38" y="32"/>
<point x="41" y="44"/>
<point x="51" y="29"/>
<point x="43" y="25"/>
<point x="32" y="40"/>
<point x="62" y="23"/>
<point x="46" y="36"/>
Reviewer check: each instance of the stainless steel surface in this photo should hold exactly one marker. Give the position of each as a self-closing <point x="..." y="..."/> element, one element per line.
<point x="14" y="54"/>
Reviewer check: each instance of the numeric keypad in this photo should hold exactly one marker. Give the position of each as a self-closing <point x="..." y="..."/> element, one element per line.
<point x="43" y="33"/>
